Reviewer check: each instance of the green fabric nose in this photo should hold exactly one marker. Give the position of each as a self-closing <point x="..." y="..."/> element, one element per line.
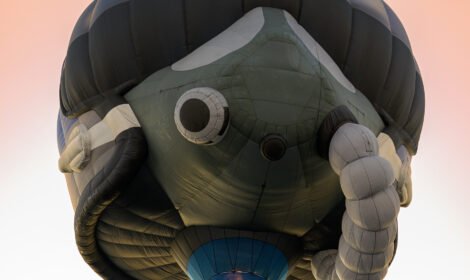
<point x="273" y="147"/>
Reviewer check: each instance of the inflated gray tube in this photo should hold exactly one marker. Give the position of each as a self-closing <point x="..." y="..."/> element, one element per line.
<point x="369" y="225"/>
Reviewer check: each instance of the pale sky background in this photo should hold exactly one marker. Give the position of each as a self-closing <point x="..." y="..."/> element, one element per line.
<point x="36" y="216"/>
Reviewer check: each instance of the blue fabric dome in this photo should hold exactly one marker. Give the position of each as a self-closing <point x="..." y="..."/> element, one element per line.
<point x="237" y="276"/>
<point x="237" y="258"/>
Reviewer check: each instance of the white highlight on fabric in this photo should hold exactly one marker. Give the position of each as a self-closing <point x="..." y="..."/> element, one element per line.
<point x="82" y="141"/>
<point x="235" y="37"/>
<point x="327" y="259"/>
<point x="118" y="119"/>
<point x="349" y="143"/>
<point x="319" y="53"/>
<point x="77" y="152"/>
<point x="387" y="150"/>
<point x="401" y="168"/>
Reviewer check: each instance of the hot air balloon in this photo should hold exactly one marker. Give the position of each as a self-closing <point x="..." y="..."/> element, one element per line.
<point x="239" y="139"/>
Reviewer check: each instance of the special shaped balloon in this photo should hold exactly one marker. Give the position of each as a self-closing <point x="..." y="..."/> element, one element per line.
<point x="224" y="140"/>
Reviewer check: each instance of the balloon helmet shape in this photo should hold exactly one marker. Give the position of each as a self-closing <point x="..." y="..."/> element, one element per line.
<point x="239" y="139"/>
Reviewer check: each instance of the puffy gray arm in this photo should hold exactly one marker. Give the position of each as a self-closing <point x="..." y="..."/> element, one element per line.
<point x="369" y="225"/>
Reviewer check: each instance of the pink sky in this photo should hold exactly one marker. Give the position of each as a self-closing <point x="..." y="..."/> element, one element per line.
<point x="36" y="233"/>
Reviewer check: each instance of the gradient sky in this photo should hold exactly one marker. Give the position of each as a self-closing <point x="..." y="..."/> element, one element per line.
<point x="36" y="216"/>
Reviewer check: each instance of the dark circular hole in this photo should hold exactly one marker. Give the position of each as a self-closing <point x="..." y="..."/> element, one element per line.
<point x="194" y="115"/>
<point x="273" y="147"/>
